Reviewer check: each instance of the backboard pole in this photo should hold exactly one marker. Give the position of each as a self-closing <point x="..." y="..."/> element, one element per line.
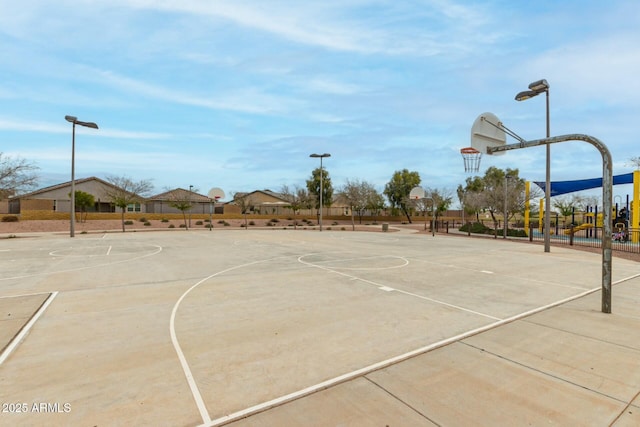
<point x="607" y="196"/>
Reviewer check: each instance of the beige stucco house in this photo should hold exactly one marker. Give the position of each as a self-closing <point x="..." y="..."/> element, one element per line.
<point x="200" y="204"/>
<point x="57" y="198"/>
<point x="267" y="202"/>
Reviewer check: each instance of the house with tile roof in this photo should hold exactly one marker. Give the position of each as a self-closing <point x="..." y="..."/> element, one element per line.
<point x="163" y="202"/>
<point x="57" y="198"/>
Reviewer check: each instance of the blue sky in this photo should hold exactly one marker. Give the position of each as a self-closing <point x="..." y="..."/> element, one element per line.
<point x="237" y="94"/>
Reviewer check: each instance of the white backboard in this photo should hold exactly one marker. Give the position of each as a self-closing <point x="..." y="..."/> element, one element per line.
<point x="416" y="193"/>
<point x="216" y="193"/>
<point x="486" y="132"/>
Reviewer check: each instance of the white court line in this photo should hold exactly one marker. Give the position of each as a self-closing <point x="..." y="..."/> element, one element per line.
<point x="386" y="363"/>
<point x="157" y="251"/>
<point x="195" y="391"/>
<point x="109" y="250"/>
<point x="381" y="286"/>
<point x="406" y="262"/>
<point x="23" y="332"/>
<point x="448" y="305"/>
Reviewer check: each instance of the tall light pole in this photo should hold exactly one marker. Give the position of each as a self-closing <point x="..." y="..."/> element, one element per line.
<point x="535" y="89"/>
<point x="190" y="206"/>
<point x="75" y="121"/>
<point x="321" y="156"/>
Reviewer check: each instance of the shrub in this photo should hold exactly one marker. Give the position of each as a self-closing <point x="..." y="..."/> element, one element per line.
<point x="143" y="219"/>
<point x="172" y="226"/>
<point x="334" y="223"/>
<point x="225" y="223"/>
<point x="128" y="222"/>
<point x="342" y="228"/>
<point x="164" y="220"/>
<point x="276" y="220"/>
<point x="242" y="225"/>
<point x="252" y="223"/>
<point x="147" y="223"/>
<point x="183" y="225"/>
<point x="476" y="227"/>
<point x="199" y="223"/>
<point x="222" y="221"/>
<point x="10" y="218"/>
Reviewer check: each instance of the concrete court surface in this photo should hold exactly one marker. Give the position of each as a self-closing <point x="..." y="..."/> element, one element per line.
<point x="289" y="327"/>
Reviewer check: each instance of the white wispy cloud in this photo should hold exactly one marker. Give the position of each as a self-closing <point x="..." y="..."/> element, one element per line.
<point x="335" y="25"/>
<point x="247" y="99"/>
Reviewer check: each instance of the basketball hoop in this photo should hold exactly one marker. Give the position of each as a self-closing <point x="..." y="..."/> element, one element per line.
<point x="471" y="158"/>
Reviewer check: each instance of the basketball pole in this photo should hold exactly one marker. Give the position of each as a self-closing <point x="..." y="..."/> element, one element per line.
<point x="607" y="198"/>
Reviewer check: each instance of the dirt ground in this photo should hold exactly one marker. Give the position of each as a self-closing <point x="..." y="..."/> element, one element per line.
<point x="92" y="226"/>
<point x="11" y="229"/>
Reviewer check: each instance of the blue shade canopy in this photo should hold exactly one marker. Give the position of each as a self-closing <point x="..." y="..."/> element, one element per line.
<point x="564" y="187"/>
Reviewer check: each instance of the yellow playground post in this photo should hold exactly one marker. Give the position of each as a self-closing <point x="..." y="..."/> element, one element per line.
<point x="634" y="227"/>
<point x="527" y="186"/>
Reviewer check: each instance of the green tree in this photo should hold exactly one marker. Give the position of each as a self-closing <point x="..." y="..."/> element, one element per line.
<point x="487" y="193"/>
<point x="397" y="190"/>
<point x="126" y="191"/>
<point x="84" y="201"/>
<point x="494" y="191"/>
<point x="313" y="186"/>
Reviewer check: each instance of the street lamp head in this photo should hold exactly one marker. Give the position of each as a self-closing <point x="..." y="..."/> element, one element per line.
<point x="314" y="155"/>
<point x="524" y="95"/>
<point x="539" y="86"/>
<point x="88" y="124"/>
<point x="75" y="121"/>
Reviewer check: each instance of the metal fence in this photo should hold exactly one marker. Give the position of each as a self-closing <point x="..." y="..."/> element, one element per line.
<point x="624" y="240"/>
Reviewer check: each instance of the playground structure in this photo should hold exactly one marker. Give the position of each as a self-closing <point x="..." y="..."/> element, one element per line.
<point x="624" y="228"/>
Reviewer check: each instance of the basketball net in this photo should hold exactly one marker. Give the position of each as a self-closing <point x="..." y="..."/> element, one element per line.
<point x="471" y="158"/>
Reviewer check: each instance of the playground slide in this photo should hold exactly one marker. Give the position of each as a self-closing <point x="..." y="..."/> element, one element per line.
<point x="578" y="228"/>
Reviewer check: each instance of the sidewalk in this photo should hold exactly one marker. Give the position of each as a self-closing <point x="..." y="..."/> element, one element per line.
<point x="570" y="365"/>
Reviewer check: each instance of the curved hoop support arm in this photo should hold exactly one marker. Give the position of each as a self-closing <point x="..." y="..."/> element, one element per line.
<point x="607" y="196"/>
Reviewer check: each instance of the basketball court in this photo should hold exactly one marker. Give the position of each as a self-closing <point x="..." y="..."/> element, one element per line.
<point x="203" y="328"/>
